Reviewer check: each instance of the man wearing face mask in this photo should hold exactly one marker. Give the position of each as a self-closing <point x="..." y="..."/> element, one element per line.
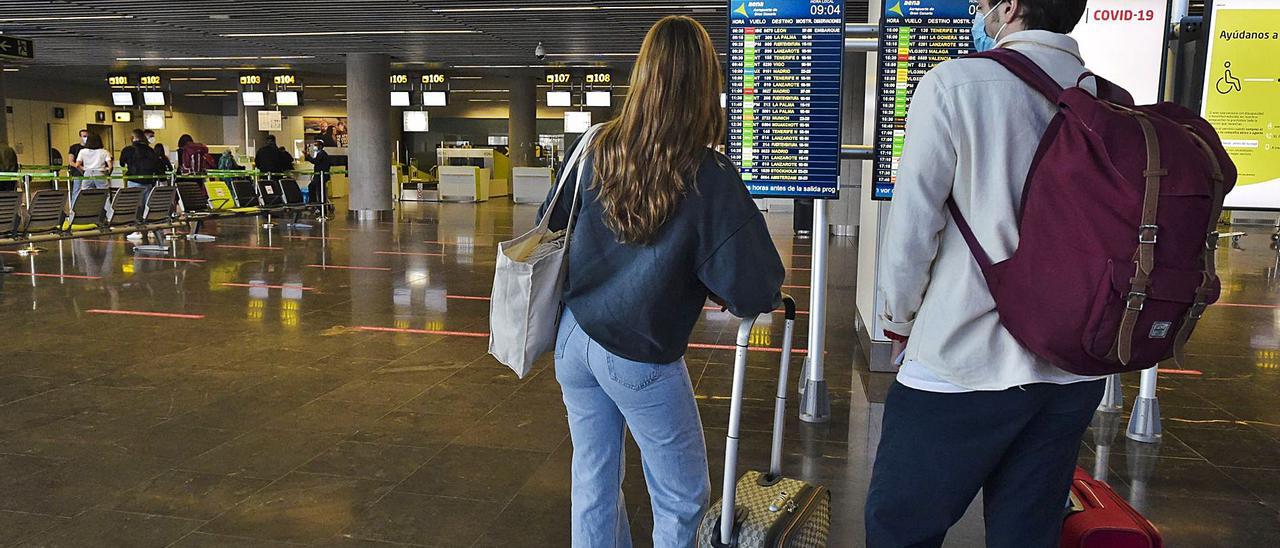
<point x="151" y="137"/>
<point x="72" y="152"/>
<point x="971" y="408"/>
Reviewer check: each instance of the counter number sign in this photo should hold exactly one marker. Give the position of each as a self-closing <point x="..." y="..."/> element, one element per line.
<point x="599" y="78"/>
<point x="150" y="80"/>
<point x="433" y="78"/>
<point x="399" y="79"/>
<point x="16" y="48"/>
<point x="559" y="77"/>
<point x="116" y="80"/>
<point x="284" y="79"/>
<point x="250" y="79"/>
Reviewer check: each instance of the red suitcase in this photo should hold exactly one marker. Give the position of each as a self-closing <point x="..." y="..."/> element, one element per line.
<point x="1099" y="518"/>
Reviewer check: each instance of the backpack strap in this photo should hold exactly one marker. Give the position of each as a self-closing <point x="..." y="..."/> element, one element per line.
<point x="1210" y="274"/>
<point x="1107" y="90"/>
<point x="1145" y="260"/>
<point x="1025" y="69"/>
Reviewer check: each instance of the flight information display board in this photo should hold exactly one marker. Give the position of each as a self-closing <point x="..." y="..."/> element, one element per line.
<point x="914" y="37"/>
<point x="1242" y="96"/>
<point x="785" y="60"/>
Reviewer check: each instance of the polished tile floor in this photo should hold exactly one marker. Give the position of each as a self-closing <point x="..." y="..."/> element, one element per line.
<point x="329" y="387"/>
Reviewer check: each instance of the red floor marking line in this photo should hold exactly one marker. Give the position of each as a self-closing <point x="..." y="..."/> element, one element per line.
<point x="68" y="276"/>
<point x="148" y="314"/>
<point x="1194" y="372"/>
<point x="262" y="247"/>
<point x="313" y="238"/>
<point x="9" y="252"/>
<point x="342" y="267"/>
<point x="1246" y="305"/>
<point x="422" y="331"/>
<point x="174" y="259"/>
<point x="704" y="346"/>
<point x="103" y="241"/>
<point x="268" y="286"/>
<point x="466" y="297"/>
<point x="409" y="253"/>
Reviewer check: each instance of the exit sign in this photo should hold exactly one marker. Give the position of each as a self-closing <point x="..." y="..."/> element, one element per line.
<point x="16" y="48"/>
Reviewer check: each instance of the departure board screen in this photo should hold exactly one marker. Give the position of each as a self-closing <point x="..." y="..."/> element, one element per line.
<point x="784" y="96"/>
<point x="914" y="37"/>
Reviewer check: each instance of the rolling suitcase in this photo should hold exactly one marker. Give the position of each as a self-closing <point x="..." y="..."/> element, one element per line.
<point x="1099" y="518"/>
<point x="765" y="509"/>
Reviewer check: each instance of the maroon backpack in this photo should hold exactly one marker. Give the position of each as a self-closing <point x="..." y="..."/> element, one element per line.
<point x="1117" y="229"/>
<point x="195" y="159"/>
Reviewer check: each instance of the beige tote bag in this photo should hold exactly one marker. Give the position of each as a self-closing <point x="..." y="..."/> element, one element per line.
<point x="524" y="310"/>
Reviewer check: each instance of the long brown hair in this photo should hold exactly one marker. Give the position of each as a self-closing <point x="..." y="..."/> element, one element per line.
<point x="646" y="159"/>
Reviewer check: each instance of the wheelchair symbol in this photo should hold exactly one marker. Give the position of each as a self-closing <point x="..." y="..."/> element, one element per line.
<point x="1228" y="82"/>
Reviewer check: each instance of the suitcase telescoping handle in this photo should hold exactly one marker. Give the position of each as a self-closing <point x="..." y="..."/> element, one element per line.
<point x="735" y="413"/>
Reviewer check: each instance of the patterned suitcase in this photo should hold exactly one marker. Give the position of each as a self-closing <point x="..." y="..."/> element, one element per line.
<point x="765" y="509"/>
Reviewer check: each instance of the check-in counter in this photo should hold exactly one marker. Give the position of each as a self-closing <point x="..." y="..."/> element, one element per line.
<point x="464" y="183"/>
<point x="529" y="185"/>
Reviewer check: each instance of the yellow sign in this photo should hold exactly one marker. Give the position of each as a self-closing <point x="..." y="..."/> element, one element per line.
<point x="149" y="80"/>
<point x="1242" y="96"/>
<point x="400" y="78"/>
<point x="433" y="78"/>
<point x="599" y="78"/>
<point x="118" y="80"/>
<point x="284" y="79"/>
<point x="559" y="77"/>
<point x="250" y="79"/>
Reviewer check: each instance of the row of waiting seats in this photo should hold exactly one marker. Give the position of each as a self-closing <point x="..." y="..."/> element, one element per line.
<point x="97" y="211"/>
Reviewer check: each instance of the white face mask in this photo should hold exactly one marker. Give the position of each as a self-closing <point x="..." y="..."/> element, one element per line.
<point x="151" y="140"/>
<point x="84" y="140"/>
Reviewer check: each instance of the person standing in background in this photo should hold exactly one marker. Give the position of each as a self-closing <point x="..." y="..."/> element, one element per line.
<point x="142" y="164"/>
<point x="267" y="158"/>
<point x="8" y="164"/>
<point x="317" y="190"/>
<point x="71" y="161"/>
<point x="151" y="137"/>
<point x="91" y="160"/>
<point x="165" y="166"/>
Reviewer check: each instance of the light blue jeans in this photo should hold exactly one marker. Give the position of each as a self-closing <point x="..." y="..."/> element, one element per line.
<point x="606" y="395"/>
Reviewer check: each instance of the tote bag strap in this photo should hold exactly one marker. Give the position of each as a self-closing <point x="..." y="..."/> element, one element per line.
<point x="575" y="162"/>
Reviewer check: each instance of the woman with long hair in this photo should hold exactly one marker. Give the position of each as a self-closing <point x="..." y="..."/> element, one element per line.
<point x="663" y="223"/>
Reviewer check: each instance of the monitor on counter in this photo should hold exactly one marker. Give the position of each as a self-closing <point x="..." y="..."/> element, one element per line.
<point x="577" y="122"/>
<point x="599" y="98"/>
<point x="435" y="99"/>
<point x="287" y="98"/>
<point x="415" y="121"/>
<point x="153" y="98"/>
<point x="253" y="98"/>
<point x="400" y="99"/>
<point x="559" y="99"/>
<point x="122" y="98"/>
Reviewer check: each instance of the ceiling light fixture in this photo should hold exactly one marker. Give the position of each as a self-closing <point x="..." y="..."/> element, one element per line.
<point x="344" y="33"/>
<point x="66" y="18"/>
<point x="218" y="58"/>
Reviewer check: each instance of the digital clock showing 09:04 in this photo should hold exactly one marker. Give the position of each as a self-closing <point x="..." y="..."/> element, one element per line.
<point x="824" y="9"/>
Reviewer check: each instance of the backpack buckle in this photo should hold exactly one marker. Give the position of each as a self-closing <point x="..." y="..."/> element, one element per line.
<point x="1135" y="300"/>
<point x="1211" y="240"/>
<point x="1197" y="310"/>
<point x="1147" y="234"/>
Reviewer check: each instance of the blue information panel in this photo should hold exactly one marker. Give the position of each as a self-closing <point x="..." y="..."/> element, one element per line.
<point x="784" y="95"/>
<point x="915" y="36"/>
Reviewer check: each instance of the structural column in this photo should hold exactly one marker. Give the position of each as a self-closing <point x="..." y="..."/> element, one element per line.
<point x="368" y="122"/>
<point x="4" y="116"/>
<point x="522" y="124"/>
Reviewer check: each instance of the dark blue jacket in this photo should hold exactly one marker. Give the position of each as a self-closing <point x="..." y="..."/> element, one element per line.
<point x="641" y="302"/>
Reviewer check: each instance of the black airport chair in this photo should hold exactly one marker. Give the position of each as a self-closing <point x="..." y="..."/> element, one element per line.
<point x="246" y="192"/>
<point x="294" y="200"/>
<point x="271" y="193"/>
<point x="160" y="208"/>
<point x="47" y="211"/>
<point x="10" y="205"/>
<point x="126" y="208"/>
<point x="89" y="211"/>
